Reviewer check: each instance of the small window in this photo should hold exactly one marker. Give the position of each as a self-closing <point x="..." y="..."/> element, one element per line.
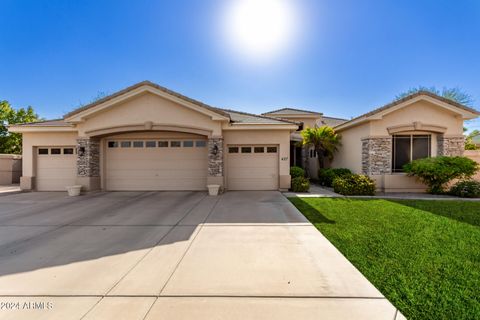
<point x="271" y="149"/>
<point x="67" y="150"/>
<point x="163" y="144"/>
<point x="126" y="144"/>
<point x="150" y="144"/>
<point x="200" y="144"/>
<point x="258" y="149"/>
<point x="175" y="144"/>
<point x="187" y="144"/>
<point x="138" y="144"/>
<point x="55" y="151"/>
<point x="246" y="149"/>
<point x="43" y="151"/>
<point x="232" y="149"/>
<point x="112" y="144"/>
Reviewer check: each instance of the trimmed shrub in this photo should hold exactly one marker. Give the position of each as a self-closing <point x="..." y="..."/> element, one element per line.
<point x="466" y="189"/>
<point x="296" y="172"/>
<point x="437" y="172"/>
<point x="300" y="184"/>
<point x="354" y="185"/>
<point x="326" y="176"/>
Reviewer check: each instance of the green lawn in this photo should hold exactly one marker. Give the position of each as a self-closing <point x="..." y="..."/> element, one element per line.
<point x="424" y="256"/>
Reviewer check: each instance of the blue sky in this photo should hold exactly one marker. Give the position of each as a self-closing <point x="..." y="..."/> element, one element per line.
<point x="347" y="58"/>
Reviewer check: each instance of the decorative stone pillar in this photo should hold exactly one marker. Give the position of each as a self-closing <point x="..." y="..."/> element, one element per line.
<point x="88" y="163"/>
<point x="377" y="156"/>
<point x="450" y="146"/>
<point x="215" y="161"/>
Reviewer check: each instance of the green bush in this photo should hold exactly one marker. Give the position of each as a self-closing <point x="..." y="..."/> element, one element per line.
<point x="300" y="184"/>
<point x="466" y="189"/>
<point x="438" y="171"/>
<point x="354" y="185"/>
<point x="326" y="176"/>
<point x="296" y="172"/>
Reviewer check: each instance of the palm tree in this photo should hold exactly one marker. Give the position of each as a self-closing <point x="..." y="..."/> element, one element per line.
<point x="324" y="140"/>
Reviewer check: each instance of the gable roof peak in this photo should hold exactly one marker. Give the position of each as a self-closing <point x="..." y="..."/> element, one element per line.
<point x="152" y="85"/>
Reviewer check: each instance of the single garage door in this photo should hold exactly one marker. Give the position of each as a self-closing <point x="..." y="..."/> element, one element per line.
<point x="252" y="167"/>
<point x="56" y="168"/>
<point x="156" y="164"/>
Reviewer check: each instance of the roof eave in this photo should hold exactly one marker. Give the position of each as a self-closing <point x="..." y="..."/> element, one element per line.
<point x="26" y="128"/>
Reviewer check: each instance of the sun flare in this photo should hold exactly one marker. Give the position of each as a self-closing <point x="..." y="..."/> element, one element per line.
<point x="260" y="29"/>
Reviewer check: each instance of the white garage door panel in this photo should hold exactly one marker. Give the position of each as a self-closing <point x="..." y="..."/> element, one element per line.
<point x="250" y="171"/>
<point x="55" y="172"/>
<point x="157" y="168"/>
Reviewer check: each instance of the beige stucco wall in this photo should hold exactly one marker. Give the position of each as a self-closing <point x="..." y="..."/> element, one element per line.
<point x="273" y="137"/>
<point x="10" y="168"/>
<point x="149" y="107"/>
<point x="349" y="154"/>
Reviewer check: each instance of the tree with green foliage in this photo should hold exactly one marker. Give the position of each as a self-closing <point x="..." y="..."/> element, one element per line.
<point x="11" y="143"/>
<point x="455" y="94"/>
<point x="324" y="140"/>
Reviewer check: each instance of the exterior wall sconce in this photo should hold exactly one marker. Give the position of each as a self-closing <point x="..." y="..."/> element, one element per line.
<point x="81" y="151"/>
<point x="215" y="150"/>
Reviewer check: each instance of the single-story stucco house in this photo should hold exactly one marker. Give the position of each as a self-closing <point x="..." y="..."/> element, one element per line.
<point x="147" y="137"/>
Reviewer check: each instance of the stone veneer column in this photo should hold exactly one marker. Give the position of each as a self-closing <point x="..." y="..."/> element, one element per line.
<point x="376" y="156"/>
<point x="88" y="163"/>
<point x="215" y="161"/>
<point x="450" y="146"/>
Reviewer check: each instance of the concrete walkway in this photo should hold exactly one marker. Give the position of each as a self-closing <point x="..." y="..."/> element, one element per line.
<point x="174" y="255"/>
<point x="317" y="191"/>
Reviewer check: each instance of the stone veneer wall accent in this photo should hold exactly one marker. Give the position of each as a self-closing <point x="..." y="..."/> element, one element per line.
<point x="376" y="156"/>
<point x="215" y="161"/>
<point x="88" y="164"/>
<point x="450" y="146"/>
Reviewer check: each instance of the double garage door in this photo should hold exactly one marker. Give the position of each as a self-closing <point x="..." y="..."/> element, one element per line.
<point x="162" y="165"/>
<point x="172" y="164"/>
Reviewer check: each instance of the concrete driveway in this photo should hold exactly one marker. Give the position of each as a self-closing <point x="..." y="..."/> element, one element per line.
<point x="173" y="255"/>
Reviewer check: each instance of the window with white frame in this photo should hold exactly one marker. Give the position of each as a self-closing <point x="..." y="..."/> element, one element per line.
<point x="407" y="148"/>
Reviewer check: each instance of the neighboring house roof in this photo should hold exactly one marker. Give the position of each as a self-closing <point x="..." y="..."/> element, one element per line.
<point x="365" y="116"/>
<point x="46" y="123"/>
<point x="145" y="83"/>
<point x="249" y="118"/>
<point x="332" y="122"/>
<point x="291" y="111"/>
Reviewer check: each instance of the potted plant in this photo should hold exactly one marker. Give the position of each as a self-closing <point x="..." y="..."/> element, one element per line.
<point x="74" y="191"/>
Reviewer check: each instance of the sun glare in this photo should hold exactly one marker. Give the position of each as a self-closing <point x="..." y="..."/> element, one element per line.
<point x="260" y="30"/>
